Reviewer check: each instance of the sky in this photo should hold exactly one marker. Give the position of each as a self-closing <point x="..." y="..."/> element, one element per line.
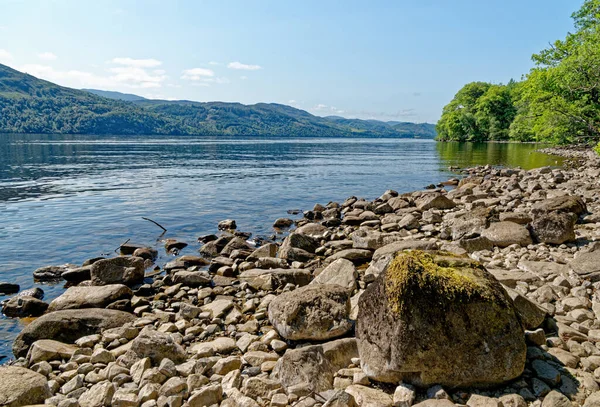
<point x="386" y="60"/>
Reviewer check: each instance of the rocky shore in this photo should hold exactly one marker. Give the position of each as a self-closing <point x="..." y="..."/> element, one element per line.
<point x="481" y="291"/>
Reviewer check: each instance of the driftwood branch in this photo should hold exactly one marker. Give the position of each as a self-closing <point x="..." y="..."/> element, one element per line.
<point x="156" y="223"/>
<point x="124" y="243"/>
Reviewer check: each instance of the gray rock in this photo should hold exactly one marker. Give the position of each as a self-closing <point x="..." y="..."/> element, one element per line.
<point x="504" y="234"/>
<point x="69" y="325"/>
<point x="8" y="288"/>
<point x="191" y="278"/>
<point x="157" y="346"/>
<point x="341" y="272"/>
<point x="314" y="312"/>
<point x="587" y="265"/>
<point x="561" y="204"/>
<point x="531" y="314"/>
<point x="90" y="297"/>
<point x="48" y="349"/>
<point x="24" y="306"/>
<point x="99" y="395"/>
<point x="433" y="200"/>
<point x="298" y="247"/>
<point x="556" y="399"/>
<point x="260" y="279"/>
<point x="21" y="387"/>
<point x="546" y="372"/>
<point x="118" y="270"/>
<point x="554" y="227"/>
<point x="49" y="273"/>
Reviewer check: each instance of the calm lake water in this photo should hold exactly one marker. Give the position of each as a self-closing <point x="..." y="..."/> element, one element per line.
<point x="64" y="199"/>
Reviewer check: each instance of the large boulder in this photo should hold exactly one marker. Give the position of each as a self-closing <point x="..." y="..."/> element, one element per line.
<point x="436" y="318"/>
<point x="554" y="227"/>
<point x="383" y="256"/>
<point x="298" y="247"/>
<point x="22" y="387"/>
<point x="314" y="312"/>
<point x="118" y="270"/>
<point x="157" y="346"/>
<point x="504" y="234"/>
<point x="90" y="297"/>
<point x="69" y="325"/>
<point x="24" y="306"/>
<point x="315" y="366"/>
<point x="272" y="279"/>
<point x="561" y="204"/>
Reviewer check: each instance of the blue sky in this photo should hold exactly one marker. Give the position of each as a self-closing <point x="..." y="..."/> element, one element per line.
<point x="388" y="60"/>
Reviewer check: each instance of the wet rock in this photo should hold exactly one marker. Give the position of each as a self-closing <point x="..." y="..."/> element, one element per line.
<point x="49" y="273"/>
<point x="69" y="325"/>
<point x="282" y="223"/>
<point x="314" y="312"/>
<point x="438" y="347"/>
<point x="21" y="387"/>
<point x="554" y="227"/>
<point x="118" y="270"/>
<point x="146" y="253"/>
<point x="227" y="224"/>
<point x="78" y="274"/>
<point x="504" y="234"/>
<point x="173" y="245"/>
<point x="32" y="292"/>
<point x="24" y="306"/>
<point x="90" y="297"/>
<point x="8" y="288"/>
<point x="157" y="346"/>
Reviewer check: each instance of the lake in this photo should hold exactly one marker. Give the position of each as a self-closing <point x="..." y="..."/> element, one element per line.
<point x="64" y="199"/>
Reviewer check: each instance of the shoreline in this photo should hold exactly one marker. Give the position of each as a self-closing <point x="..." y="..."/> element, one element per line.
<point x="216" y="338"/>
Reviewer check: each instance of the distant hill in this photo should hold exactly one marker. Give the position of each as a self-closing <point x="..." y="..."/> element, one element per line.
<point x="32" y="105"/>
<point x="128" y="97"/>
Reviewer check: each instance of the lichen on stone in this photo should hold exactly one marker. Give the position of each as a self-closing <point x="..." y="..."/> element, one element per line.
<point x="443" y="278"/>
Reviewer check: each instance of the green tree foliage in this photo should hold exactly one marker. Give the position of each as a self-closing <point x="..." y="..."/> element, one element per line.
<point x="558" y="101"/>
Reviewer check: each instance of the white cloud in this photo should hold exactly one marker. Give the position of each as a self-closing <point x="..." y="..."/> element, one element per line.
<point x="47" y="56"/>
<point x="243" y="77"/>
<point x="5" y="56"/>
<point x="197" y="74"/>
<point x="139" y="63"/>
<point x="321" y="108"/>
<point x="245" y="67"/>
<point x="137" y="77"/>
<point x="214" y="63"/>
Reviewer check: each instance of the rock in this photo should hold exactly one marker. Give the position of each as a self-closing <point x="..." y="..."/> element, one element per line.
<point x="312" y="229"/>
<point x="49" y="273"/>
<point x="477" y="400"/>
<point x="510" y="278"/>
<point x="404" y="395"/>
<point x="315" y="366"/>
<point x="475" y="244"/>
<point x="554" y="227"/>
<point x="8" y="288"/>
<point x="356" y="256"/>
<point x="543" y="269"/>
<point x="35" y="292"/>
<point x="556" y="399"/>
<point x="435" y="403"/>
<point x="341" y="272"/>
<point x="24" y="306"/>
<point x="298" y="247"/>
<point x="561" y="204"/>
<point x="587" y="265"/>
<point x="504" y="234"/>
<point x="593" y="400"/>
<point x="68" y="326"/>
<point x="369" y="397"/>
<point x="99" y="395"/>
<point x="191" y="278"/>
<point x="48" y="349"/>
<point x="227" y="224"/>
<point x="173" y="245"/>
<point x="267" y="250"/>
<point x="147" y="253"/>
<point x="340" y="399"/>
<point x="78" y="274"/>
<point x="157" y="346"/>
<point x="90" y="297"/>
<point x="513" y="400"/>
<point x="282" y="223"/>
<point x="546" y="372"/>
<point x="207" y="396"/>
<point x="531" y="314"/>
<point x="434" y="294"/>
<point x="118" y="270"/>
<point x="260" y="279"/>
<point x="433" y="200"/>
<point x="314" y="312"/>
<point x="21" y="387"/>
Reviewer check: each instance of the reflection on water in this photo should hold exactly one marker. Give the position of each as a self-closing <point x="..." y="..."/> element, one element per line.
<point x="69" y="198"/>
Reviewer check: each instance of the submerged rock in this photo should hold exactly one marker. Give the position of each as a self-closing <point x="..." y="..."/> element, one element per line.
<point x="439" y="319"/>
<point x="24" y="306"/>
<point x="8" y="288"/>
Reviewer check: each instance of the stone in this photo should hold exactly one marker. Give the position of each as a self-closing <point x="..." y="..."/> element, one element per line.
<point x="356" y="256"/>
<point x="268" y="280"/>
<point x="157" y="346"/>
<point x="504" y="234"/>
<point x="8" y="288"/>
<point x="513" y="400"/>
<point x="532" y="314"/>
<point x="315" y="366"/>
<point x="69" y="325"/>
<point x="282" y="223"/>
<point x="298" y="247"/>
<point x="543" y="269"/>
<point x="341" y="272"/>
<point x="561" y="204"/>
<point x="313" y="312"/>
<point x="90" y="297"/>
<point x="554" y="227"/>
<point x="227" y="224"/>
<point x="546" y="372"/>
<point x="24" y="306"/>
<point x="99" y="395"/>
<point x="206" y="396"/>
<point x="404" y="395"/>
<point x="587" y="265"/>
<point x="477" y="400"/>
<point x="369" y="397"/>
<point x="21" y="387"/>
<point x="217" y="308"/>
<point x="50" y="273"/>
<point x="174" y="386"/>
<point x="556" y="399"/>
<point x="191" y="278"/>
<point x="47" y="349"/>
<point x="411" y="327"/>
<point x="435" y="403"/>
<point x="340" y="399"/>
<point x="433" y="200"/>
<point x="118" y="270"/>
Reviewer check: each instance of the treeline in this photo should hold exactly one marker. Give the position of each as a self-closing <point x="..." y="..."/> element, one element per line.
<point x="557" y="102"/>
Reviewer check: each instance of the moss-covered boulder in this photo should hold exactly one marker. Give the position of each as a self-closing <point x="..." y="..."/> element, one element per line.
<point x="435" y="318"/>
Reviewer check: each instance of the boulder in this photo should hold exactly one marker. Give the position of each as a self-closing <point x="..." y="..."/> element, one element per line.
<point x="48" y="349"/>
<point x="157" y="346"/>
<point x="298" y="247"/>
<point x="383" y="256"/>
<point x="435" y="318"/>
<point x="554" y="227"/>
<point x="315" y="366"/>
<point x="312" y="229"/>
<point x="282" y="223"/>
<point x="369" y="397"/>
<point x="78" y="274"/>
<point x="341" y="272"/>
<point x="50" y="273"/>
<point x="68" y="326"/>
<point x="24" y="306"/>
<point x="118" y="270"/>
<point x="8" y="288"/>
<point x="504" y="234"/>
<point x="587" y="265"/>
<point x="191" y="278"/>
<point x="314" y="312"/>
<point x="90" y="297"/>
<point x="433" y="200"/>
<point x="22" y="387"/>
<point x="561" y="204"/>
<point x="531" y="314"/>
<point x="227" y="224"/>
<point x="356" y="256"/>
<point x="260" y="279"/>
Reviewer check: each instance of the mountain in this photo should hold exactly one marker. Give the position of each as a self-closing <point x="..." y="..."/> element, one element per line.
<point x="128" y="97"/>
<point x="32" y="105"/>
